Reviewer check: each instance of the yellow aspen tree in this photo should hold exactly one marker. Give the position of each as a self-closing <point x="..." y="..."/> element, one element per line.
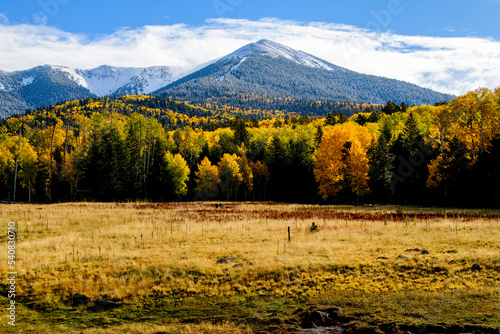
<point x="28" y="166"/>
<point x="230" y="175"/>
<point x="207" y="180"/>
<point x="464" y="108"/>
<point x="487" y="108"/>
<point x="358" y="167"/>
<point x="342" y="161"/>
<point x="179" y="173"/>
<point x="247" y="176"/>
<point x="261" y="177"/>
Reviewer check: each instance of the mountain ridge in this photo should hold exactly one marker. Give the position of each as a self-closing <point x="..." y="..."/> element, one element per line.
<point x="49" y="84"/>
<point x="270" y="69"/>
<point x="265" y="68"/>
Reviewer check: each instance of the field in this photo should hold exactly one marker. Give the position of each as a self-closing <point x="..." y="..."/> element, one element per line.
<point x="231" y="268"/>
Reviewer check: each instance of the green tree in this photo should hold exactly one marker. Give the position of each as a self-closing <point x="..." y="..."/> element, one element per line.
<point x="380" y="173"/>
<point x="318" y="136"/>
<point x="241" y="135"/>
<point x="391" y="108"/>
<point x="411" y="133"/>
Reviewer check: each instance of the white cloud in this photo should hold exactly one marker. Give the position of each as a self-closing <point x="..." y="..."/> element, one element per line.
<point x="4" y="19"/>
<point x="452" y="65"/>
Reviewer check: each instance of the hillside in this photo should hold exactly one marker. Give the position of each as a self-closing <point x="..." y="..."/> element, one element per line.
<point x="273" y="70"/>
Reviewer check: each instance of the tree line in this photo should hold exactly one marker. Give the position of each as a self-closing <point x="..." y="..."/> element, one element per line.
<point x="120" y="150"/>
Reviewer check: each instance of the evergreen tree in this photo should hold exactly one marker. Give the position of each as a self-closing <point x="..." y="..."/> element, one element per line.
<point x="241" y="135"/>
<point x="380" y="173"/>
<point x="391" y="108"/>
<point x="411" y="134"/>
<point x="277" y="160"/>
<point x="158" y="188"/>
<point x="318" y="136"/>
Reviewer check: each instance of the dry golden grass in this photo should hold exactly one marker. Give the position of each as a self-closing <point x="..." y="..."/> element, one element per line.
<point x="137" y="250"/>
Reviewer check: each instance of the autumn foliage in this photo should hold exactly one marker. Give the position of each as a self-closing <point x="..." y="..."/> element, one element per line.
<point x="143" y="147"/>
<point x="341" y="160"/>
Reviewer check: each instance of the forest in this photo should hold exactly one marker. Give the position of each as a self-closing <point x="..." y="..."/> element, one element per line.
<point x="135" y="148"/>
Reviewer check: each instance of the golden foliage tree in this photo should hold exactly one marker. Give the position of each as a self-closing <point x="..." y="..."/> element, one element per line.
<point x="179" y="173"/>
<point x="342" y="161"/>
<point x="247" y="176"/>
<point x="207" y="180"/>
<point x="230" y="175"/>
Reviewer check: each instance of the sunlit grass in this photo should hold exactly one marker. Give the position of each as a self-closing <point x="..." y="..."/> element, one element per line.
<point x="132" y="252"/>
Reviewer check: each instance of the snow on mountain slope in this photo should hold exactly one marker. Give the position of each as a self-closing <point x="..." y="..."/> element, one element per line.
<point x="155" y="77"/>
<point x="72" y="74"/>
<point x="105" y="80"/>
<point x="27" y="81"/>
<point x="47" y="84"/>
<point x="234" y="68"/>
<point x="276" y="50"/>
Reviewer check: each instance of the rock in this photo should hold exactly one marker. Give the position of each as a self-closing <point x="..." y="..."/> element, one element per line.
<point x="224" y="260"/>
<point x="476" y="267"/>
<point x="481" y="329"/>
<point x="322" y="330"/>
<point x="104" y="305"/>
<point x="324" y="317"/>
<point x="401" y="257"/>
<point x="436" y="329"/>
<point x="80" y="300"/>
<point x="239" y="265"/>
<point x="425" y="252"/>
<point x="382" y="258"/>
<point x="456" y="329"/>
<point x="413" y="250"/>
<point x="332" y="311"/>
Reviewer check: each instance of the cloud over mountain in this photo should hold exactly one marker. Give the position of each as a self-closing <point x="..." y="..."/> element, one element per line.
<point x="452" y="65"/>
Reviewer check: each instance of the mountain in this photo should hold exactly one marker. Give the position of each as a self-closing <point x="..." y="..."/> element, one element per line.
<point x="48" y="84"/>
<point x="264" y="69"/>
<point x="107" y="80"/>
<point x="270" y="69"/>
<point x="38" y="86"/>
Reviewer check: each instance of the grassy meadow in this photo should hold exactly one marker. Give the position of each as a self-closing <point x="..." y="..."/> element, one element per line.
<point x="161" y="261"/>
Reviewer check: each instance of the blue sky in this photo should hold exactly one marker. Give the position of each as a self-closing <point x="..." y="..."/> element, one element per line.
<point x="447" y="45"/>
<point x="447" y="18"/>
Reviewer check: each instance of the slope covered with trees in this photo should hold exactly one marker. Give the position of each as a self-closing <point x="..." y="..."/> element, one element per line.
<point x="143" y="147"/>
<point x="270" y="69"/>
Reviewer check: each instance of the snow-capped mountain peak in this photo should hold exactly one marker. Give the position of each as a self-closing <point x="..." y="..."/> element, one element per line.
<point x="72" y="73"/>
<point x="105" y="80"/>
<point x="276" y="50"/>
<point x="49" y="84"/>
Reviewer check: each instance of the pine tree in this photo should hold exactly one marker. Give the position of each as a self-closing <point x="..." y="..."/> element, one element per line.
<point x="318" y="136"/>
<point x="380" y="174"/>
<point x="410" y="133"/>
